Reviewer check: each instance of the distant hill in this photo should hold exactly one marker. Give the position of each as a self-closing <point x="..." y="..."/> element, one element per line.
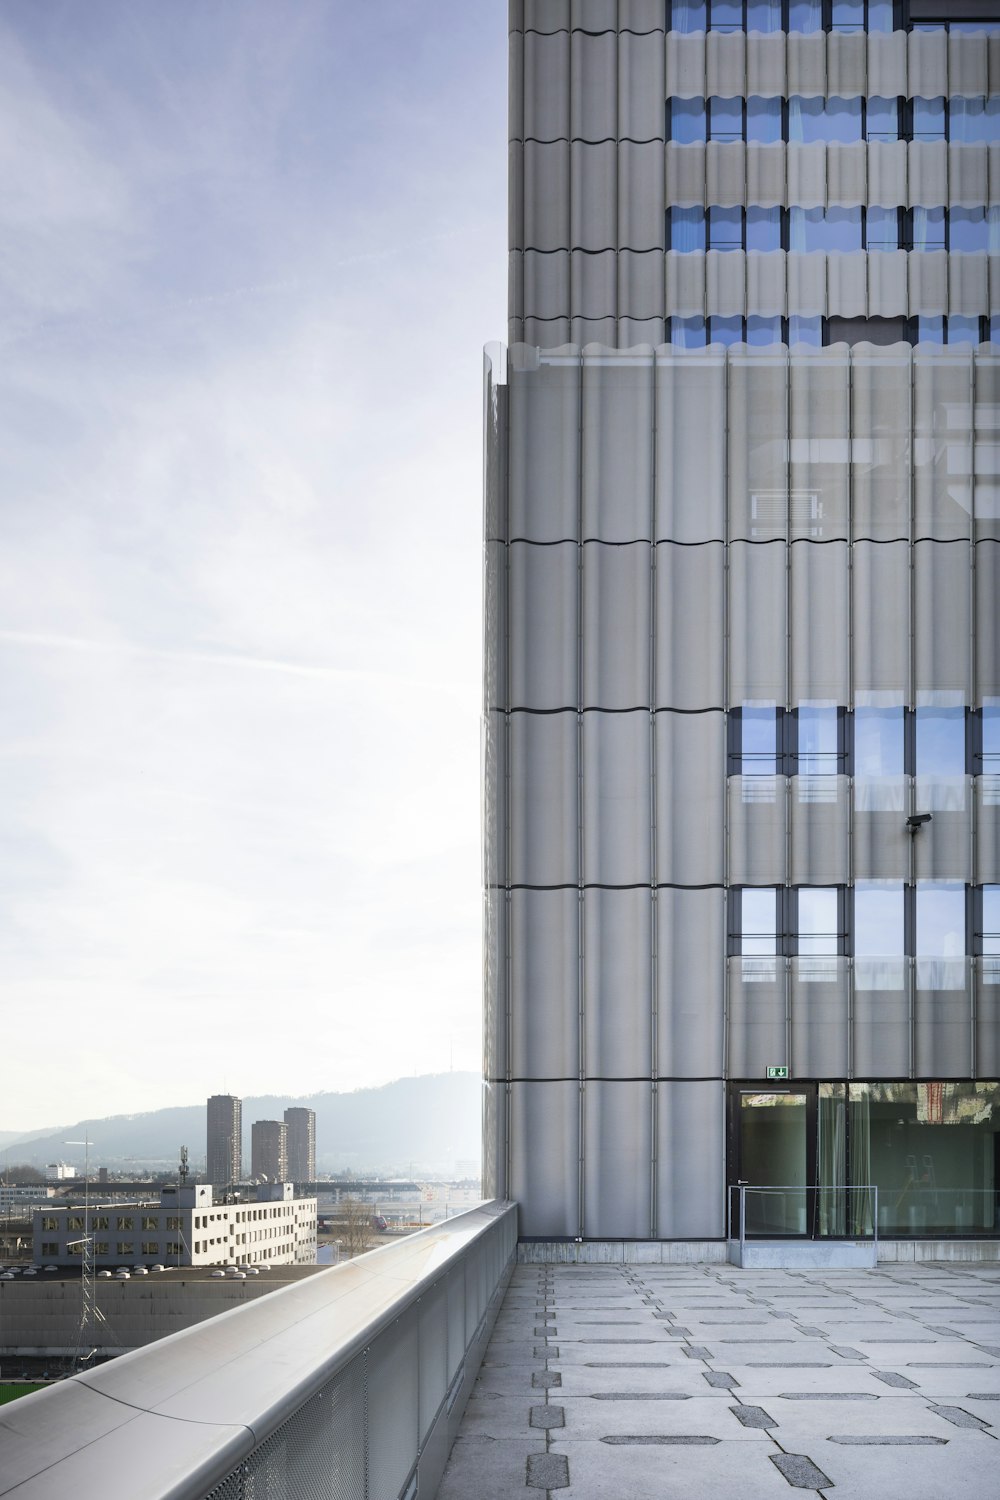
<point x="428" y="1124"/>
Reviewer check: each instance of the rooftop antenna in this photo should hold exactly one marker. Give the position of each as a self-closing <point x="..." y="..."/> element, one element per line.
<point x="182" y="1171"/>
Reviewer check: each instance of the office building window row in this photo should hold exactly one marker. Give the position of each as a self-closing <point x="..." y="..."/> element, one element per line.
<point x="767" y="120"/>
<point x="693" y="230"/>
<point x="825" y="739"/>
<point x="931" y="919"/>
<point x="783" y="15"/>
<point x="818" y="332"/>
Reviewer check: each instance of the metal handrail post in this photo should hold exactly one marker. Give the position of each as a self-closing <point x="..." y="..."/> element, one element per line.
<point x="743" y="1223"/>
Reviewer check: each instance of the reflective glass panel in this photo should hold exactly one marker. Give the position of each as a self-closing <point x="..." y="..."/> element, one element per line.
<point x="880" y="15"/>
<point x="805" y="330"/>
<point x="963" y="330"/>
<point x="763" y="15"/>
<point x="811" y="120"/>
<point x="687" y="120"/>
<point x="991" y="28"/>
<point x="848" y="15"/>
<point x="968" y="229"/>
<point x="995" y="328"/>
<point x="759" y="739"/>
<point x="940" y="919"/>
<point x="991" y="920"/>
<point x="725" y="330"/>
<point x="818" y="729"/>
<point x="940" y="741"/>
<point x="974" y="120"/>
<point x="831" y="229"/>
<point x="759" y="921"/>
<point x="818" y="920"/>
<point x="931" y="1150"/>
<point x="726" y="15"/>
<point x="773" y="1162"/>
<point x="882" y="229"/>
<point x="878" y="918"/>
<point x="688" y="333"/>
<point x="989" y="718"/>
<point x="763" y="228"/>
<point x="761" y="331"/>
<point x="878" y="742"/>
<point x="928" y="228"/>
<point x="930" y="330"/>
<point x="805" y="15"/>
<point x="725" y="229"/>
<point x="725" y="119"/>
<point x="686" y="229"/>
<point x="687" y="15"/>
<point x="928" y="119"/>
<point x="882" y="119"/>
<point x="763" y="120"/>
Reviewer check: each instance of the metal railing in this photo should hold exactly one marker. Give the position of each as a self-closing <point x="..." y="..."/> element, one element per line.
<point x="804" y="1211"/>
<point x="347" y="1385"/>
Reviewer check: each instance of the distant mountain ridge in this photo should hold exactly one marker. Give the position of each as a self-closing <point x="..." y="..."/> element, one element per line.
<point x="428" y="1124"/>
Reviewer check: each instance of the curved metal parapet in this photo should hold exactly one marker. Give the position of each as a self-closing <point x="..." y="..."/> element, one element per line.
<point x="348" y="1384"/>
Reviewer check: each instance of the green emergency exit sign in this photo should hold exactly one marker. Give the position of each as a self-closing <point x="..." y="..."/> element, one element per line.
<point x="777" y="1072"/>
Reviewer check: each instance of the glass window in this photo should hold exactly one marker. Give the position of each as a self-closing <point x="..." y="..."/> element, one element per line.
<point x="763" y="15"/>
<point x="725" y="119"/>
<point x="761" y="331"/>
<point x="880" y="15"/>
<point x="688" y="333"/>
<point x="968" y="28"/>
<point x="882" y="229"/>
<point x="831" y="229"/>
<point x="930" y="330"/>
<point x="989" y="720"/>
<point x="964" y="330"/>
<point x="878" y="919"/>
<point x="940" y="909"/>
<point x="928" y="228"/>
<point x="818" y="920"/>
<point x="687" y="15"/>
<point x="819" y="120"/>
<point x="878" y="741"/>
<point x="725" y="330"/>
<point x="882" y="119"/>
<point x="687" y="120"/>
<point x="805" y="330"/>
<point x="848" y="15"/>
<point x="763" y="228"/>
<point x="759" y="739"/>
<point x="818" y="739"/>
<point x="726" y="15"/>
<point x="725" y="229"/>
<point x="974" y="120"/>
<point x="940" y="740"/>
<point x="967" y="229"/>
<point x="763" y="120"/>
<point x="686" y="229"/>
<point x="759" y="921"/>
<point x="928" y="119"/>
<point x="994" y="329"/>
<point x="990" y="933"/>
<point x="805" y="15"/>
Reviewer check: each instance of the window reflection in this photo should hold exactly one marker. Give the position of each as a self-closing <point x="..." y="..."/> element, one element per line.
<point x="818" y="920"/>
<point x="725" y="117"/>
<point x="928" y="229"/>
<point x="882" y="229"/>
<point x="882" y="119"/>
<point x="759" y="739"/>
<point x="848" y="15"/>
<point x="761" y="331"/>
<point x="818" y="739"/>
<point x="688" y="120"/>
<point x="688" y="333"/>
<point x="763" y="228"/>
<point x="805" y="15"/>
<point x="725" y="229"/>
<point x="829" y="229"/>
<point x="726" y="15"/>
<point x="763" y="120"/>
<point x="821" y="120"/>
<point x="687" y="15"/>
<point x="879" y="935"/>
<point x="685" y="229"/>
<point x="725" y="330"/>
<point x="940" y="935"/>
<point x="940" y="739"/>
<point x="763" y="15"/>
<point x="974" y="120"/>
<point x="806" y="330"/>
<point x="879" y="741"/>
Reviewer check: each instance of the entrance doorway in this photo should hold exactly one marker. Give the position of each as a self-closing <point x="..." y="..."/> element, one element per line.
<point x="772" y="1141"/>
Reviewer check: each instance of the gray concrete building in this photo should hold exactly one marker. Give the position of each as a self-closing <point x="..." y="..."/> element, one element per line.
<point x="269" y="1150"/>
<point x="224" y="1156"/>
<point x="742" y="669"/>
<point x="301" y="1127"/>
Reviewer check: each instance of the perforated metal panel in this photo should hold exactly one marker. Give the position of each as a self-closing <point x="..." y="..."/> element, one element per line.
<point x="393" y="1407"/>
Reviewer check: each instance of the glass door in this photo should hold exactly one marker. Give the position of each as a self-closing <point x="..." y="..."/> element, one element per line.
<point x="774" y="1130"/>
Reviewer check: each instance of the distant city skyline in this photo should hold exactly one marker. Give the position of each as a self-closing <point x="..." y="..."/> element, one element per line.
<point x="250" y="257"/>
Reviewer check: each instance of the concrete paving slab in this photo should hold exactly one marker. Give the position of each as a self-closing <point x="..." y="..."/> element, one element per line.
<point x="488" y="1469"/>
<point x="599" y="1471"/>
<point x="903" y="1473"/>
<point x="583" y="1380"/>
<point x="588" y="1417"/>
<point x="499" y="1417"/>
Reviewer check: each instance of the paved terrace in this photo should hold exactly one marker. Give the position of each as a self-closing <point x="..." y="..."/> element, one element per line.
<point x="614" y="1382"/>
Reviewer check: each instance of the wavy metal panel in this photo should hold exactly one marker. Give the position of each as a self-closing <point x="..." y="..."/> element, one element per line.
<point x="820" y="811"/>
<point x="757" y="812"/>
<point x="593" y="86"/>
<point x="593" y="196"/>
<point x="819" y="993"/>
<point x="641" y="87"/>
<point x="690" y="981"/>
<point x="690" y="1185"/>
<point x="881" y="1039"/>
<point x="617" y="1160"/>
<point x="690" y="473"/>
<point x="757" y="623"/>
<point x="544" y="983"/>
<point x="543" y="803"/>
<point x="881" y="605"/>
<point x="758" y="450"/>
<point x="942" y="1012"/>
<point x="758" y="1017"/>
<point x="640" y="284"/>
<point x="820" y="617"/>
<point x="617" y="986"/>
<point x="545" y="1183"/>
<point x="618" y="447"/>
<point x="641" y="201"/>
<point x="546" y="179"/>
<point x="689" y="657"/>
<point x="593" y="288"/>
<point x="942" y="446"/>
<point x="544" y="599"/>
<point x="880" y="444"/>
<point x="987" y="636"/>
<point x="544" y="462"/>
<point x="942" y="616"/>
<point x="616" y="798"/>
<point x="546" y="86"/>
<point x="617" y="619"/>
<point x="690" y="798"/>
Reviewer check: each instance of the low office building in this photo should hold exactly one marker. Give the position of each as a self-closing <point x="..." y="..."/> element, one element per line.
<point x="185" y="1227"/>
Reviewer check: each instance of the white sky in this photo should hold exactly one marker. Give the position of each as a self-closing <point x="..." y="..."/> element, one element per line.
<point x="249" y="254"/>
